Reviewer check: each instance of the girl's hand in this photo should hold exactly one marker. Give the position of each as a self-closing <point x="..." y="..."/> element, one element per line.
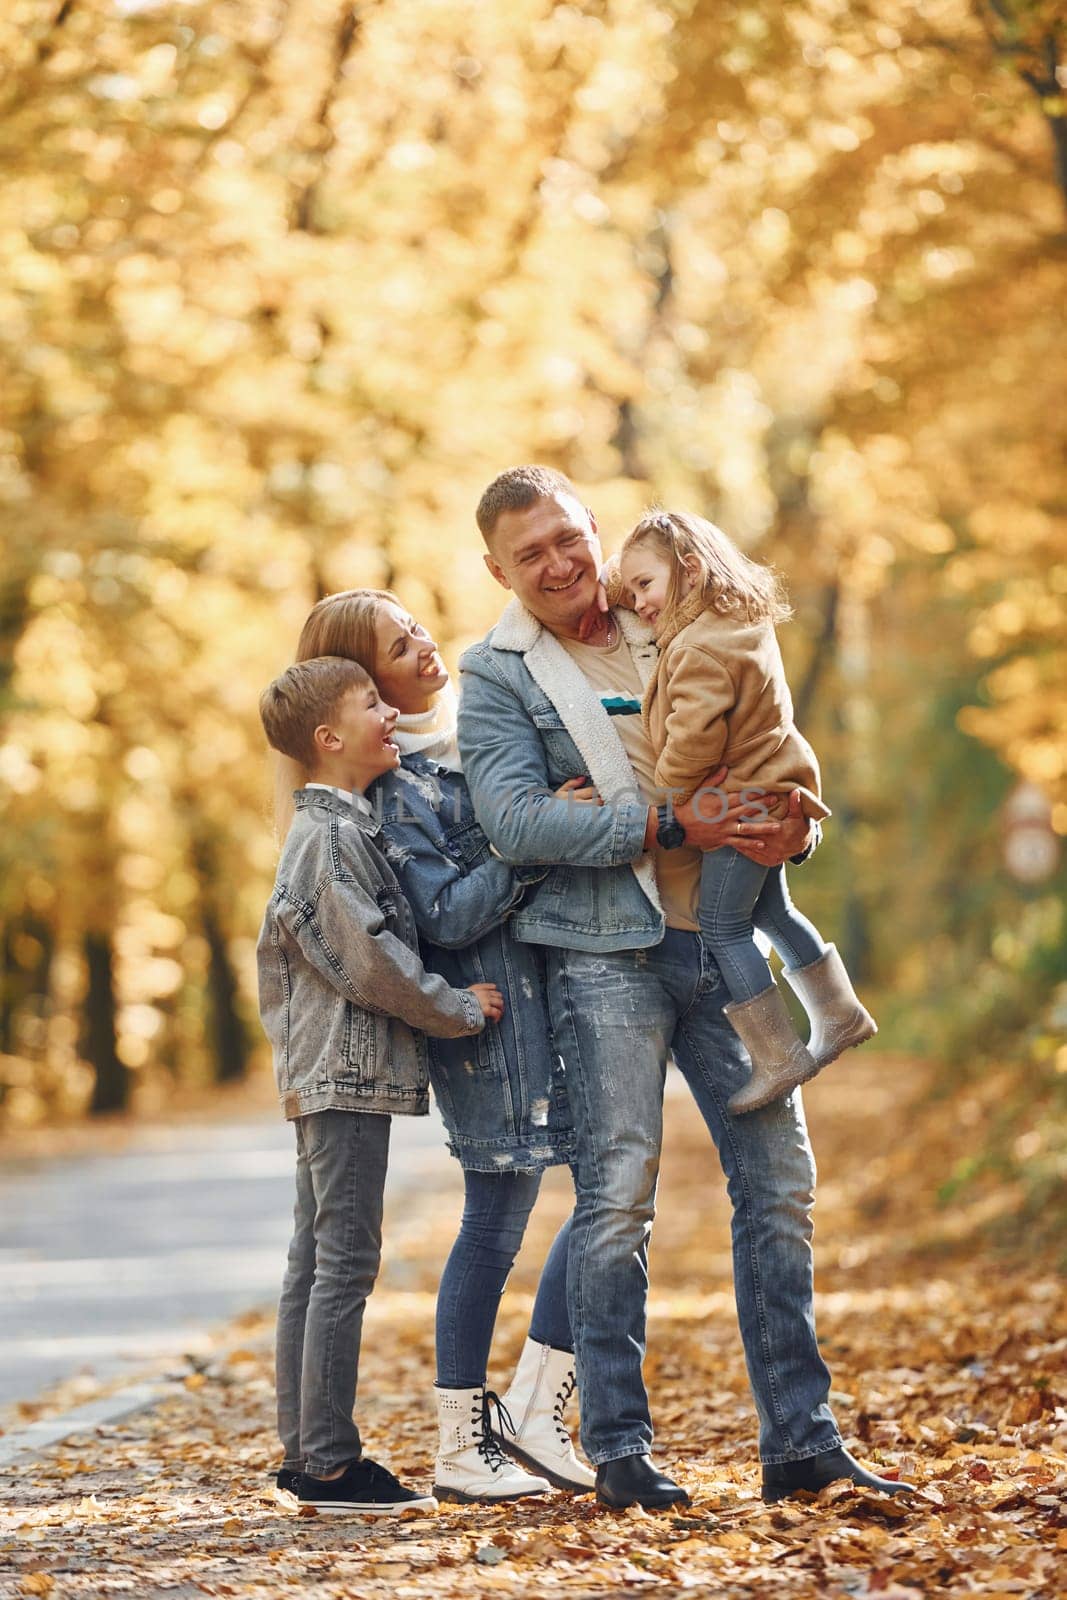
<point x="490" y="999"/>
<point x="579" y="789"/>
<point x="593" y="620"/>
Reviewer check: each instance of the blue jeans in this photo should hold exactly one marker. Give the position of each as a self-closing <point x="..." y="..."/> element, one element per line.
<point x="496" y="1209"/>
<point x="615" y="1017"/>
<point x="736" y="895"/>
<point x="341" y="1159"/>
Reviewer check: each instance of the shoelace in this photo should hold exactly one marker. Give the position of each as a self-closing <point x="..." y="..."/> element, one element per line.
<point x="563" y="1394"/>
<point x="482" y="1421"/>
<point x="376" y="1473"/>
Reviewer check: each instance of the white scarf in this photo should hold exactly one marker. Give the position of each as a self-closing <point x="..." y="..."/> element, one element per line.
<point x="432" y="733"/>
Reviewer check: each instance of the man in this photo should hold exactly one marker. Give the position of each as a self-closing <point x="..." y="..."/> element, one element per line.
<point x="554" y="691"/>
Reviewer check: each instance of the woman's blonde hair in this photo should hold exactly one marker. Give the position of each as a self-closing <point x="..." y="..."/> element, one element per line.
<point x="728" y="581"/>
<point x="343" y="624"/>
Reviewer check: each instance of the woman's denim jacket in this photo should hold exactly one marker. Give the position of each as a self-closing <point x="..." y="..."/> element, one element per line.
<point x="502" y="1095"/>
<point x="528" y="720"/>
<point x="344" y="997"/>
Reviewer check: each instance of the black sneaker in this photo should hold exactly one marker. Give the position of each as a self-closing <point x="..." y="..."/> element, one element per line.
<point x="364" y="1489"/>
<point x="288" y="1480"/>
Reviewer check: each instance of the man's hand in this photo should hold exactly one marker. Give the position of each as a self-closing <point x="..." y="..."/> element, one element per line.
<point x="793" y="836"/>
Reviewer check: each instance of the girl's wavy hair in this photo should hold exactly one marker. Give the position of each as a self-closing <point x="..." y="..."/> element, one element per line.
<point x="342" y="624"/>
<point x="728" y="580"/>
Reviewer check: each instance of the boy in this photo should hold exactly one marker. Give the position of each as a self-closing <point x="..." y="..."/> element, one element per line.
<point x="341" y="990"/>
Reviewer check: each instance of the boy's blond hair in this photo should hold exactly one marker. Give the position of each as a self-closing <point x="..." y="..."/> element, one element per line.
<point x="343" y="624"/>
<point x="728" y="580"/>
<point x="303" y="698"/>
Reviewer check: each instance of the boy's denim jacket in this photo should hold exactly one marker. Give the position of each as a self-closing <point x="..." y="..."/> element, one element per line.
<point x="529" y="720"/>
<point x="344" y="997"/>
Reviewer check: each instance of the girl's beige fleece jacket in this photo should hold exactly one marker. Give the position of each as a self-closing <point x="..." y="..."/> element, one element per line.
<point x="719" y="697"/>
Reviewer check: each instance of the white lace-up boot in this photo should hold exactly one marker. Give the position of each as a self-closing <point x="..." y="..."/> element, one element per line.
<point x="470" y="1463"/>
<point x="535" y="1402"/>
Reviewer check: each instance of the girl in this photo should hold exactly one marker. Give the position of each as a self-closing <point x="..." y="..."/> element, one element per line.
<point x="720" y="697"/>
<point x="503" y="1100"/>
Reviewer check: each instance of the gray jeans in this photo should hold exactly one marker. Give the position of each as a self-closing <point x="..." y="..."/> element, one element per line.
<point x="341" y="1160"/>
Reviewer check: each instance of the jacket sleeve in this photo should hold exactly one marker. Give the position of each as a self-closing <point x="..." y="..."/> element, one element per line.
<point x="506" y="768"/>
<point x="451" y="908"/>
<point x="699" y="692"/>
<point x="343" y="935"/>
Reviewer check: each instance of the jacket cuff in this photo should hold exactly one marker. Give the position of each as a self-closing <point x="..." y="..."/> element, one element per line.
<point x="472" y="1011"/>
<point x="816" y="841"/>
<point x="630" y="825"/>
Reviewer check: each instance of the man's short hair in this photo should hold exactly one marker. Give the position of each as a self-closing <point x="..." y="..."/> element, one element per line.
<point x="302" y="698"/>
<point x="516" y="490"/>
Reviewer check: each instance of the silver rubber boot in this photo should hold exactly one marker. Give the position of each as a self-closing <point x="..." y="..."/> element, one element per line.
<point x="839" y="1019"/>
<point x="780" y="1061"/>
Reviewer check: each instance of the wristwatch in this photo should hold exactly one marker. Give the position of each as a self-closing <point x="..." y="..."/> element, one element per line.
<point x="669" y="834"/>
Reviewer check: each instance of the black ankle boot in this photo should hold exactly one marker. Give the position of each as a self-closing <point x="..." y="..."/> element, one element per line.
<point x="814" y="1473"/>
<point x="634" y="1481"/>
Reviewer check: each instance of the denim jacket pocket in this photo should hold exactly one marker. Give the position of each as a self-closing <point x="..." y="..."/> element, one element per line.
<point x="359" y="1047"/>
<point x="466" y="843"/>
<point x="387" y="902"/>
<point x="559" y="746"/>
<point x="546" y="716"/>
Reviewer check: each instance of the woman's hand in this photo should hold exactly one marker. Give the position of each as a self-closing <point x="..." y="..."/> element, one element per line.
<point x="793" y="836"/>
<point x="490" y="999"/>
<point x="579" y="789"/>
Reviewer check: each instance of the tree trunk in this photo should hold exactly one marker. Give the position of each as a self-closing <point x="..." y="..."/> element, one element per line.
<point x="821" y="656"/>
<point x="111" y="1090"/>
<point x="855" y="940"/>
<point x="229" y="1041"/>
<point x="227" y="1036"/>
<point x="1057" y="125"/>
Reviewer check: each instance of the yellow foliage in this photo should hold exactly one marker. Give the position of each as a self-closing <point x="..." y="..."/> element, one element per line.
<point x="283" y="284"/>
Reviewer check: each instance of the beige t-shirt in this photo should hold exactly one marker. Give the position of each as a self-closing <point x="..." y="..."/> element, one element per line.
<point x="615" y="678"/>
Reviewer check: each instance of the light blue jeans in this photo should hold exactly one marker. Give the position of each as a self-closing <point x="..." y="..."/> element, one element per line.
<point x="737" y="895"/>
<point x="615" y="1017"/>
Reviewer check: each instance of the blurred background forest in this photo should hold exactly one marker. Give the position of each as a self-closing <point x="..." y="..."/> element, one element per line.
<point x="283" y="283"/>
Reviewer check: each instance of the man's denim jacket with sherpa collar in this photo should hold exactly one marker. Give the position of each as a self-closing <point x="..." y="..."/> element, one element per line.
<point x="344" y="997"/>
<point x="529" y="719"/>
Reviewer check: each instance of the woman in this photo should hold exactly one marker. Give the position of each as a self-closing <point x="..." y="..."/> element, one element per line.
<point x="502" y="1096"/>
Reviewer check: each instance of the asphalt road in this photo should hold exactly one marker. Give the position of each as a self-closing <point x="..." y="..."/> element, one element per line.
<point x="109" y="1261"/>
